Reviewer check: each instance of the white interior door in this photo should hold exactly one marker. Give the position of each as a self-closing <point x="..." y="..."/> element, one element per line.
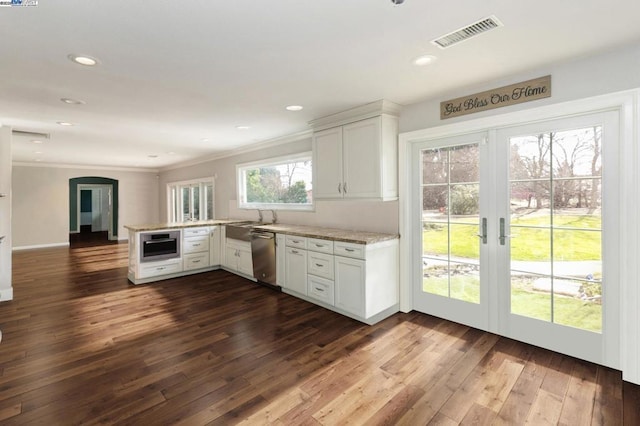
<point x="517" y="233"/>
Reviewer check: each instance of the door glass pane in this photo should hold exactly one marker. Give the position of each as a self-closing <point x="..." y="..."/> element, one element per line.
<point x="556" y="227"/>
<point x="186" y="205"/>
<point x="208" y="190"/>
<point x="195" y="194"/>
<point x="450" y="222"/>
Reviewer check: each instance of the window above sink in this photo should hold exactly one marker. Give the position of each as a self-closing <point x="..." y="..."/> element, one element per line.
<point x="282" y="183"/>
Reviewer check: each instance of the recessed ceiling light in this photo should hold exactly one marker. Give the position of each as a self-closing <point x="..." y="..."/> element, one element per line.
<point x="152" y="156"/>
<point x="37" y="141"/>
<point x="294" y="108"/>
<point x="38" y="159"/>
<point x="72" y="101"/>
<point x="205" y="140"/>
<point x="171" y="153"/>
<point x="37" y="152"/>
<point x="64" y="123"/>
<point x="83" y="60"/>
<point x="424" y="60"/>
<point x="243" y="127"/>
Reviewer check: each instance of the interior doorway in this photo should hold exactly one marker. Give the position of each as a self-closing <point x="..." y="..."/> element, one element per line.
<point x="93" y="209"/>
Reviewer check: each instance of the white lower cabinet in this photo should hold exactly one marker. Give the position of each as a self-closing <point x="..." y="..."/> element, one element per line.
<point x="357" y="280"/>
<point x="281" y="251"/>
<point x="350" y="284"/>
<point x="214" y="245"/>
<point x="195" y="248"/>
<point x="195" y="261"/>
<point x="238" y="256"/>
<point x="321" y="289"/>
<point x="296" y="270"/>
<point x="156" y="269"/>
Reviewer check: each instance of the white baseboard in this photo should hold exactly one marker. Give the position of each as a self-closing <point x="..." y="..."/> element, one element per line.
<point x="40" y="246"/>
<point x="6" y="294"/>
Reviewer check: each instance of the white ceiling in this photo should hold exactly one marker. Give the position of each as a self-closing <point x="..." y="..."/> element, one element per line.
<point x="179" y="76"/>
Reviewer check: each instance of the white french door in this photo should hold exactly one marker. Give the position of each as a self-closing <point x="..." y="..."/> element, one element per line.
<point x="453" y="212"/>
<point x="517" y="226"/>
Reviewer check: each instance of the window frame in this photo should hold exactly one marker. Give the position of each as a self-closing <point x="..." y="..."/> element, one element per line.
<point x="241" y="168"/>
<point x="174" y="199"/>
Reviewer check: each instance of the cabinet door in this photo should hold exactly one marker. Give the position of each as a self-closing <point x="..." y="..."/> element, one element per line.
<point x="280" y="260"/>
<point x="231" y="258"/>
<point x="245" y="261"/>
<point x="327" y="163"/>
<point x="214" y="246"/>
<point x="361" y="154"/>
<point x="350" y="285"/>
<point x="296" y="270"/>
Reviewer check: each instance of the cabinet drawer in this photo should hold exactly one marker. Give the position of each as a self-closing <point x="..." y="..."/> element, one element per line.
<point x="320" y="289"/>
<point x="160" y="268"/>
<point x="196" y="261"/>
<point x="322" y="246"/>
<point x="357" y="251"/>
<point x="293" y="241"/>
<point x="192" y="232"/>
<point x="320" y="264"/>
<point x="196" y="244"/>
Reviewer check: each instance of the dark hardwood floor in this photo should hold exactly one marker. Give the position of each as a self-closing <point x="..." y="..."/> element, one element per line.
<point x="83" y="346"/>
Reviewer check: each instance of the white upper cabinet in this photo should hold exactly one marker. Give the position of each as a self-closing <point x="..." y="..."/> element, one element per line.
<point x="327" y="163"/>
<point x="357" y="159"/>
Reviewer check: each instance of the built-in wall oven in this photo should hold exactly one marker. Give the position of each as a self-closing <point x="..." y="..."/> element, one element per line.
<point x="159" y="245"/>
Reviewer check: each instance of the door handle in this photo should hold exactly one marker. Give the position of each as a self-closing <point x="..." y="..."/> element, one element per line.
<point x="483" y="235"/>
<point x="503" y="237"/>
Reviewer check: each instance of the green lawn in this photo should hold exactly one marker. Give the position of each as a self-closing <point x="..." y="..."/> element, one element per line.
<point x="568" y="311"/>
<point x="527" y="243"/>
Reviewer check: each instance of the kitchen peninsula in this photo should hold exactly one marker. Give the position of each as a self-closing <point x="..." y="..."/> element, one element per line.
<point x="354" y="273"/>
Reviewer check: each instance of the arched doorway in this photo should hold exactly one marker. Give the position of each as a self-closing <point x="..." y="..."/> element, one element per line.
<point x="93" y="210"/>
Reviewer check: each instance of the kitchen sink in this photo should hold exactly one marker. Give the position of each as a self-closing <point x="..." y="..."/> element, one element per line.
<point x="241" y="231"/>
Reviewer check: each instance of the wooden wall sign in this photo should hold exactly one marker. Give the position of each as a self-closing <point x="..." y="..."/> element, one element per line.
<point x="503" y="96"/>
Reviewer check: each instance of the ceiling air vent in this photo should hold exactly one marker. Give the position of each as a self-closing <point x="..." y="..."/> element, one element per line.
<point x="467" y="32"/>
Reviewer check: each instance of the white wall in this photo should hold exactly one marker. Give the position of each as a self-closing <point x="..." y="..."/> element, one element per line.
<point x="357" y="215"/>
<point x="577" y="79"/>
<point x="41" y="202"/>
<point x="6" y="289"/>
<point x="611" y="72"/>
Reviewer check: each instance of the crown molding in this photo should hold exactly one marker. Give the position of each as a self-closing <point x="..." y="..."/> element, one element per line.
<point x="83" y="167"/>
<point x="243" y="150"/>
<point x="362" y="112"/>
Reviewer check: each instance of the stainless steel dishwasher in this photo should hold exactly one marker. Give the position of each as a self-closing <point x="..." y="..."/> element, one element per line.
<point x="263" y="250"/>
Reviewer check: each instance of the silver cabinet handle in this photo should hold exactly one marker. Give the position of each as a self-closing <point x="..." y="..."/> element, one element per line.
<point x="3" y="195"/>
<point x="295" y="251"/>
<point x="339" y="188"/>
<point x="320" y="289"/>
<point x="319" y="265"/>
<point x="483" y="235"/>
<point x="2" y="239"/>
<point x="349" y="250"/>
<point x="344" y="187"/>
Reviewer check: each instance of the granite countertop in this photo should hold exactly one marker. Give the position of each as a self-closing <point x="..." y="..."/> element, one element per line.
<point x="179" y="225"/>
<point x="335" y="234"/>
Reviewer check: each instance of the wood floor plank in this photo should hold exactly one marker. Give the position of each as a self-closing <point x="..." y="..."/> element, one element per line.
<point x="81" y="345"/>
<point x="545" y="409"/>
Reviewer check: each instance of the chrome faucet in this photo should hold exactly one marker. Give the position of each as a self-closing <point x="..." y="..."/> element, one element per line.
<point x="275" y="216"/>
